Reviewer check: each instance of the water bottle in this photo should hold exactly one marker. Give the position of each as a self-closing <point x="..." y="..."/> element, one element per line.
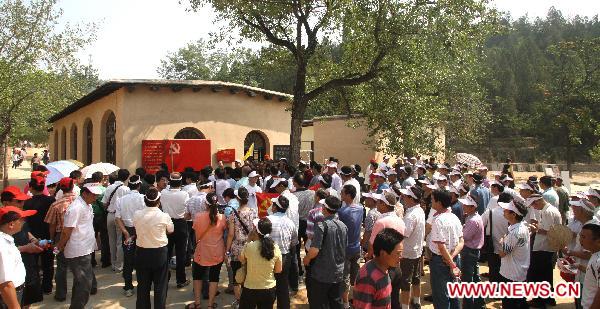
<point x="55" y="251"/>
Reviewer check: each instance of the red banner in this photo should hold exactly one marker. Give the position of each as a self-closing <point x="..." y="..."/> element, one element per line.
<point x="226" y="155"/>
<point x="263" y="200"/>
<point x="177" y="154"/>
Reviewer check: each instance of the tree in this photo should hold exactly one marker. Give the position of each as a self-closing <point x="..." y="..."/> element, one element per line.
<point x="369" y="33"/>
<point x="570" y="112"/>
<point x="32" y="50"/>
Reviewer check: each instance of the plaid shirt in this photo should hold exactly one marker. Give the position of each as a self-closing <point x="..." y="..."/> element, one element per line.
<point x="314" y="216"/>
<point x="196" y="204"/>
<point x="284" y="232"/>
<point x="56" y="212"/>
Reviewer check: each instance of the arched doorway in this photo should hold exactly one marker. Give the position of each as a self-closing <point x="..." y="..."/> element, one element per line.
<point x="88" y="130"/>
<point x="74" y="142"/>
<point x="63" y="144"/>
<point x="189" y="133"/>
<point x="109" y="140"/>
<point x="260" y="142"/>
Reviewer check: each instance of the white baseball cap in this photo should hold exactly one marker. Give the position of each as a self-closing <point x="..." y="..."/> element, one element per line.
<point x="332" y="164"/>
<point x="408" y="192"/>
<point x="592" y="192"/>
<point x="467" y="201"/>
<point x="525" y="186"/>
<point x="532" y="198"/>
<point x="510" y="206"/>
<point x="391" y="172"/>
<point x="94" y="188"/>
<point x="583" y="204"/>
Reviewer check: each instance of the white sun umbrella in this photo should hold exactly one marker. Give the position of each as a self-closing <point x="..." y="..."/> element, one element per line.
<point x="58" y="170"/>
<point x="105" y="168"/>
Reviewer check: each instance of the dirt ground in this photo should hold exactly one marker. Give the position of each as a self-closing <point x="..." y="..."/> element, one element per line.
<point x="110" y="284"/>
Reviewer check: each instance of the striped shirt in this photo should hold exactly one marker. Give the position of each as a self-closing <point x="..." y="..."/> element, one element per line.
<point x="373" y="288"/>
<point x="196" y="204"/>
<point x="283" y="232"/>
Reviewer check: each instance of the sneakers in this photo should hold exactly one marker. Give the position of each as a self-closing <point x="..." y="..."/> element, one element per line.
<point x="128" y="293"/>
<point x="183" y="284"/>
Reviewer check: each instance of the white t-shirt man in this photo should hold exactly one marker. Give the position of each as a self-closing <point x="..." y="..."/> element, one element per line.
<point x="548" y="217"/>
<point x="12" y="268"/>
<point x="173" y="202"/>
<point x="121" y="188"/>
<point x="591" y="281"/>
<point x="414" y="222"/>
<point x="80" y="217"/>
<point x="447" y="229"/>
<point x="515" y="264"/>
<point x="292" y="211"/>
<point x="352" y="181"/>
<point x="499" y="225"/>
<point x="252" y="190"/>
<point x="128" y="205"/>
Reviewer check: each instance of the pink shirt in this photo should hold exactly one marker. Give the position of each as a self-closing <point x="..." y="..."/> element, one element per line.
<point x="388" y="219"/>
<point x="210" y="249"/>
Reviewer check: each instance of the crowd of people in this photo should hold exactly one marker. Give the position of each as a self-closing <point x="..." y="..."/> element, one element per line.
<point x="366" y="235"/>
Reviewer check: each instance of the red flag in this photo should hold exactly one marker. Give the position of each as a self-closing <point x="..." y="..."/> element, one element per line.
<point x="263" y="200"/>
<point x="316" y="187"/>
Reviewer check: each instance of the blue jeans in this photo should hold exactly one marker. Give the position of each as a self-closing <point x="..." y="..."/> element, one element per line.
<point x="470" y="273"/>
<point x="440" y="274"/>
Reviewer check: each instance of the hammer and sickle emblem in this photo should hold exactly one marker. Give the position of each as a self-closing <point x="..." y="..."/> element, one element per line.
<point x="175" y="148"/>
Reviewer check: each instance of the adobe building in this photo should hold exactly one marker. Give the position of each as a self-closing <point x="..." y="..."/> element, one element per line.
<point x="111" y="123"/>
<point x="344" y="137"/>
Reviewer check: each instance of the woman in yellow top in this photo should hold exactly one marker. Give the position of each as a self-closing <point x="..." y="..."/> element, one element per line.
<point x="263" y="260"/>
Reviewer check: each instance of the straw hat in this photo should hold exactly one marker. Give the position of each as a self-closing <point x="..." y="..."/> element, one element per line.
<point x="559" y="236"/>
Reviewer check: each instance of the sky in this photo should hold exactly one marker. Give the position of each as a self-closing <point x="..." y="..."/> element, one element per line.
<point x="134" y="35"/>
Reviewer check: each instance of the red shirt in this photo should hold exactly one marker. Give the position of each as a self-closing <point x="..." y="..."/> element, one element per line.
<point x="373" y="288"/>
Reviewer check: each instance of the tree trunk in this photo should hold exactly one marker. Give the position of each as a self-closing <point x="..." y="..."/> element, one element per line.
<point x="298" y="110"/>
<point x="4" y="152"/>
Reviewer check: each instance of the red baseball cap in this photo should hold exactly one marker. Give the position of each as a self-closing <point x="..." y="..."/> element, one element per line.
<point x="18" y="195"/>
<point x="39" y="174"/>
<point x="22" y="213"/>
<point x="39" y="180"/>
<point x="65" y="182"/>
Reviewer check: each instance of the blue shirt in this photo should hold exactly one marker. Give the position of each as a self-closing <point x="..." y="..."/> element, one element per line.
<point x="352" y="216"/>
<point x="482" y="196"/>
<point x="382" y="187"/>
<point x="457" y="210"/>
<point x="241" y="183"/>
<point x="551" y="197"/>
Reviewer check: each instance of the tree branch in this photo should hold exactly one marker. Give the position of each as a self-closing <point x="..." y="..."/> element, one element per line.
<point x="271" y="37"/>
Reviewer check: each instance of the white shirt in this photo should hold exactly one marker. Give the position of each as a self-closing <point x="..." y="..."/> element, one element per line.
<point x="499" y="226"/>
<point x="408" y="182"/>
<point x="292" y="211"/>
<point x="196" y="204"/>
<point x="493" y="203"/>
<point x="60" y="193"/>
<point x="576" y="246"/>
<point x="515" y="263"/>
<point x="446" y="228"/>
<point x="352" y="181"/>
<point x="80" y="217"/>
<point x="128" y="205"/>
<point x="333" y="192"/>
<point x="414" y="232"/>
<point x="252" y="190"/>
<point x="336" y="182"/>
<point x="151" y="227"/>
<point x="12" y="268"/>
<point x="548" y="217"/>
<point x="220" y="186"/>
<point x="173" y="202"/>
<point x="191" y="189"/>
<point x="121" y="190"/>
<point x="591" y="281"/>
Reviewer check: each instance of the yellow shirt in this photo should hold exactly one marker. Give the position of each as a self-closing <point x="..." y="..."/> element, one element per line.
<point x="259" y="271"/>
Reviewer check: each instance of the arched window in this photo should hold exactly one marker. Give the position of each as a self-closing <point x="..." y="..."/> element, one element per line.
<point x="111" y="141"/>
<point x="63" y="144"/>
<point x="261" y="146"/>
<point x="88" y="128"/>
<point x="74" y="142"/>
<point x="189" y="133"/>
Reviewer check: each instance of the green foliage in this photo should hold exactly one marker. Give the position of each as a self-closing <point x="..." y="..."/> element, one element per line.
<point x="365" y="55"/>
<point x="39" y="71"/>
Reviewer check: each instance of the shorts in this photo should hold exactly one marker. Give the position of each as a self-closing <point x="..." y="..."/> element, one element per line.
<point x="235" y="266"/>
<point x="351" y="268"/>
<point x="410" y="273"/>
<point x="199" y="272"/>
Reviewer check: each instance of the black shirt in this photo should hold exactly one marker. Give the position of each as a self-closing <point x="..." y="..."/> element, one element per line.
<point x="37" y="226"/>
